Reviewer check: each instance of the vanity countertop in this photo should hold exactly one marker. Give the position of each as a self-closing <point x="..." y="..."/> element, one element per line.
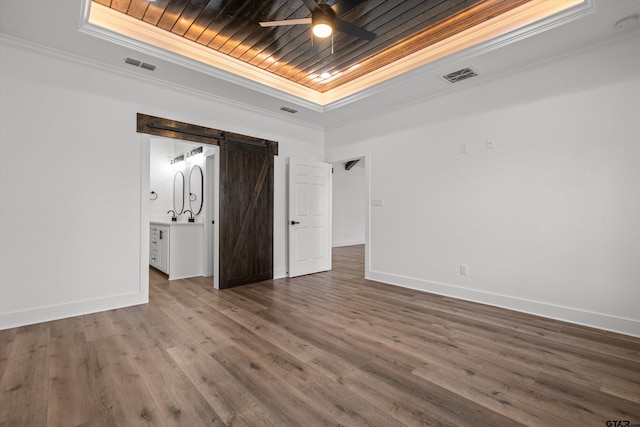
<point x="174" y="223"/>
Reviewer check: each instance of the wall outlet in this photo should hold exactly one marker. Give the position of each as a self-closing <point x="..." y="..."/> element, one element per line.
<point x="491" y="143"/>
<point x="464" y="270"/>
<point x="378" y="203"/>
<point x="464" y="149"/>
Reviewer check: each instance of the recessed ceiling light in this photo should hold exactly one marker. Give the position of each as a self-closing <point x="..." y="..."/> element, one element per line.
<point x="325" y="75"/>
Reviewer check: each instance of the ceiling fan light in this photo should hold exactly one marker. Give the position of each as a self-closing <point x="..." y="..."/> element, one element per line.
<point x="322" y="19"/>
<point x="322" y="30"/>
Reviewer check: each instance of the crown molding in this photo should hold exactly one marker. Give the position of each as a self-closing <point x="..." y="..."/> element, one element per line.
<point x="511" y="27"/>
<point x="107" y="24"/>
<point x="527" y="20"/>
<point x="26" y="45"/>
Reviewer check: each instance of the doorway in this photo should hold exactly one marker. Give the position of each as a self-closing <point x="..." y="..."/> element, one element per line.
<point x="193" y="196"/>
<point x="349" y="200"/>
<point x="245" y="194"/>
<point x="350" y="216"/>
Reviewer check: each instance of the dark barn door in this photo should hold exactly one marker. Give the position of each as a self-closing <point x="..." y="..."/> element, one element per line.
<point x="246" y="197"/>
<point x="246" y="213"/>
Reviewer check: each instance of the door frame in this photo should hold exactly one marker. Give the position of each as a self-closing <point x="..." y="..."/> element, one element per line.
<point x="211" y="180"/>
<point x="145" y="189"/>
<point x="174" y="130"/>
<point x="367" y="210"/>
<point x="211" y="230"/>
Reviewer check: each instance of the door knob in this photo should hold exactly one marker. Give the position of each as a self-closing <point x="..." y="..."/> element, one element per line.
<point x="295" y="222"/>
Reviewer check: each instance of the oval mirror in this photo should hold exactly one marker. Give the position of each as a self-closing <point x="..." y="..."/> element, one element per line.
<point x="178" y="193"/>
<point x="195" y="189"/>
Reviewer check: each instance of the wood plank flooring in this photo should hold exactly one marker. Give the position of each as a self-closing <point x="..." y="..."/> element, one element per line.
<point x="330" y="349"/>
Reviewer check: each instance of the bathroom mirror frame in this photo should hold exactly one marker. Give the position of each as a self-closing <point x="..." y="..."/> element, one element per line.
<point x="195" y="194"/>
<point x="178" y="192"/>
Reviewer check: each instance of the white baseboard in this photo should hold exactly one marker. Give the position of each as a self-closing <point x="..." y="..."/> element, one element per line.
<point x="567" y="314"/>
<point x="347" y="243"/>
<point x="54" y="312"/>
<point x="279" y="273"/>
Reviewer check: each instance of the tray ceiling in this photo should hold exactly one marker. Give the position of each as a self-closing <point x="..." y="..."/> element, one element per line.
<point x="226" y="34"/>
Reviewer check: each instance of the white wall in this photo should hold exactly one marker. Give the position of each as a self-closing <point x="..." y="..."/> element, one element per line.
<point x="162" y="174"/>
<point x="349" y="199"/>
<point x="547" y="221"/>
<point x="71" y="230"/>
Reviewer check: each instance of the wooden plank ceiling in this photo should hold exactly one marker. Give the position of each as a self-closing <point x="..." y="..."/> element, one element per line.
<point x="231" y="27"/>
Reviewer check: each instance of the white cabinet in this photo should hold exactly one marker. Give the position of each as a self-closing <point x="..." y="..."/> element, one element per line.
<point x="177" y="248"/>
<point x="159" y="247"/>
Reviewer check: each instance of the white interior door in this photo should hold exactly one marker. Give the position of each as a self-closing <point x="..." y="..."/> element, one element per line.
<point x="212" y="224"/>
<point x="309" y="219"/>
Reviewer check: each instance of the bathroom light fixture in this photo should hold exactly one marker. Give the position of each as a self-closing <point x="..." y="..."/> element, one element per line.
<point x="194" y="155"/>
<point x="189" y="156"/>
<point x="178" y="159"/>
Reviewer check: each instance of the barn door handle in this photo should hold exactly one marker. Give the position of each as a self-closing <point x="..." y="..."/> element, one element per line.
<point x="295" y="222"/>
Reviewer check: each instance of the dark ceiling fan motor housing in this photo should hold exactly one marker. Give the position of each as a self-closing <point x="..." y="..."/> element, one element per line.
<point x="323" y="14"/>
<point x="327" y="13"/>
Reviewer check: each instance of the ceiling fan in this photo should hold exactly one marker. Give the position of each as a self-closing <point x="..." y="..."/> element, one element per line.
<point x="324" y="19"/>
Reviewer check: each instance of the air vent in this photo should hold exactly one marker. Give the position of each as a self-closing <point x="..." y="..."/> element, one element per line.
<point x="460" y="75"/>
<point x="140" y="64"/>
<point x="289" y="110"/>
<point x="132" y="61"/>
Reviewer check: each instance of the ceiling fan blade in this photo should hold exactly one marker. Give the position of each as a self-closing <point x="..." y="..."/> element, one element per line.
<point x="286" y="22"/>
<point x="311" y="5"/>
<point x="343" y="6"/>
<point x="354" y="30"/>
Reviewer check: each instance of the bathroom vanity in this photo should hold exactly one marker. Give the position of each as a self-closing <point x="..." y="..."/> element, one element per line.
<point x="176" y="248"/>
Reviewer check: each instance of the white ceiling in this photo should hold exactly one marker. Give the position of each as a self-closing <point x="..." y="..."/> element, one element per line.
<point x="56" y="24"/>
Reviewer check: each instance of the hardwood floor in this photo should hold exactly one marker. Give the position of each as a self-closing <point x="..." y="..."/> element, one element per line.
<point x="319" y="350"/>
